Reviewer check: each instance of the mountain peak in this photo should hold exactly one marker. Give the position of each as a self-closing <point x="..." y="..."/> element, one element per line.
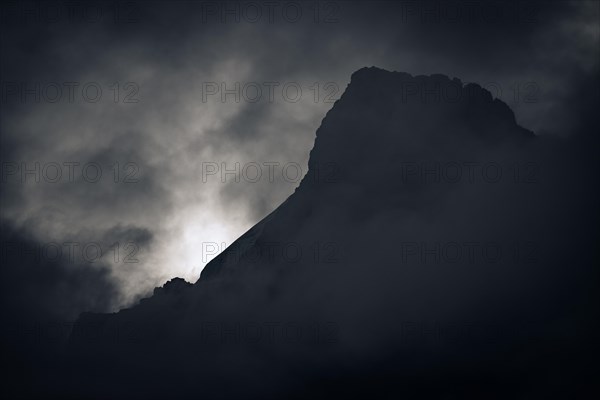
<point x="364" y="248"/>
<point x="387" y="117"/>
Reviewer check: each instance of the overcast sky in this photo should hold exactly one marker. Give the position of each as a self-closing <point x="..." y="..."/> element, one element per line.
<point x="200" y="116"/>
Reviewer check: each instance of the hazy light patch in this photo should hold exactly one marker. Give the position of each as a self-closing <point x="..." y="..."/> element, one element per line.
<point x="197" y="236"/>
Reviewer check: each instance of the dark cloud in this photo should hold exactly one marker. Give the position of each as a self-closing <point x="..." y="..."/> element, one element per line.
<point x="170" y="51"/>
<point x="39" y="280"/>
<point x="45" y="287"/>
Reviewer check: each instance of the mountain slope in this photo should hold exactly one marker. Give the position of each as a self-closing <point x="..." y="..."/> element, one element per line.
<point x="430" y="250"/>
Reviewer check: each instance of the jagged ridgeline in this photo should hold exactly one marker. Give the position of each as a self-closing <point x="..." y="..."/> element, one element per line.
<point x="428" y="251"/>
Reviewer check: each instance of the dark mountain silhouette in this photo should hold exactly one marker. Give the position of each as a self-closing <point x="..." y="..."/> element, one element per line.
<point x="433" y="249"/>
